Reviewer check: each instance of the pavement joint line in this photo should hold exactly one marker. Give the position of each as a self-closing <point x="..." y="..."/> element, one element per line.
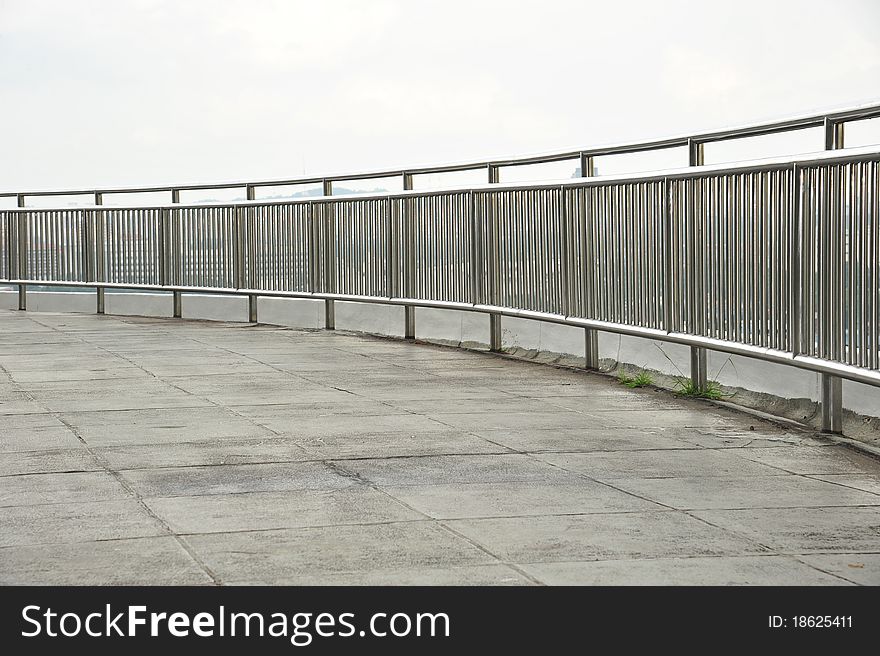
<point x="795" y="558"/>
<point x="427" y="517"/>
<point x="693" y="557"/>
<point x="739" y="534"/>
<point x="307" y="527"/>
<point x="725" y="530"/>
<point x="478" y="545"/>
<point x="104" y="411"/>
<point x="815" y="477"/>
<point x="604" y="483"/>
<point x="239" y="464"/>
<point x="441" y="524"/>
<point x="808" y="476"/>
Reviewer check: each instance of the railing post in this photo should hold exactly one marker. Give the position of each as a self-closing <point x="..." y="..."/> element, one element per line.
<point x="177" y="297"/>
<point x="409" y="261"/>
<point x="250" y="193"/>
<point x="832" y="403"/>
<point x="591" y="336"/>
<point x="591" y="348"/>
<point x="588" y="166"/>
<point x="796" y="278"/>
<point x="494" y="273"/>
<point x="22" y="255"/>
<point x="98" y="269"/>
<point x="831" y="386"/>
<point x="699" y="376"/>
<point x="329" y="252"/>
<point x="833" y="134"/>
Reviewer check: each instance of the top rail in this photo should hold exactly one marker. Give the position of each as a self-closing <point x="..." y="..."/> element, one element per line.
<point x="831" y="120"/>
<point x="850" y="156"/>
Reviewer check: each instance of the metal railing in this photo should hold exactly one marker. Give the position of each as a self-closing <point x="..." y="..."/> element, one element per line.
<point x="777" y="260"/>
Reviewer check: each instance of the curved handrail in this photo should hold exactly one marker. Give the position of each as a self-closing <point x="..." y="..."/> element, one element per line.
<point x="832" y="120"/>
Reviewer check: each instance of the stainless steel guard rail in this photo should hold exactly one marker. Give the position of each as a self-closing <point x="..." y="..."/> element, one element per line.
<point x="827" y="329"/>
<point x="778" y="260"/>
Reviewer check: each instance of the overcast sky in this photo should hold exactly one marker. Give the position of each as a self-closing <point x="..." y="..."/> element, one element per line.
<point x="97" y="93"/>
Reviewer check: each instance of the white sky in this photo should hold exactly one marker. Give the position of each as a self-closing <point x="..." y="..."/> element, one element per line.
<point x="104" y="93"/>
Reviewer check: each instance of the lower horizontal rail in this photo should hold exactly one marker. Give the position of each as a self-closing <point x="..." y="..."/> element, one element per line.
<point x="856" y="374"/>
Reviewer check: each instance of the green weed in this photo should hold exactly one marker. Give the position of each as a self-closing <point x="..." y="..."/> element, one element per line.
<point x="641" y="379"/>
<point x="686" y="387"/>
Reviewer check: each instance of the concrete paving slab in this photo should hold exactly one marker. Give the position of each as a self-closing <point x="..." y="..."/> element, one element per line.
<point x="161" y="425"/>
<point x="867" y="482"/>
<point x="420" y="575"/>
<point x="815" y="460"/>
<point x="138" y="561"/>
<point x="670" y="419"/>
<point x="208" y="367"/>
<point x="725" y="438"/>
<point x="703" y="492"/>
<point x="125" y="396"/>
<point x="18" y="403"/>
<point x="517" y="499"/>
<point x="491" y="420"/>
<point x="232" y="451"/>
<point x="260" y="389"/>
<point x="583" y="439"/>
<point x="60" y="358"/>
<point x="28" y="421"/>
<point x="601" y="400"/>
<point x="421" y="391"/>
<point x="77" y="459"/>
<point x="319" y="402"/>
<point x="720" y="570"/>
<point x="292" y="557"/>
<point x="286" y="420"/>
<point x="71" y="487"/>
<point x="584" y="388"/>
<point x="379" y="445"/>
<point x="602" y="537"/>
<point x="221" y="513"/>
<point x="665" y="463"/>
<point x="469" y="406"/>
<point x="24" y="436"/>
<point x="233" y="479"/>
<point x="76" y="522"/>
<point x="93" y="372"/>
<point x="439" y="470"/>
<point x="860" y="568"/>
<point x="804" y="530"/>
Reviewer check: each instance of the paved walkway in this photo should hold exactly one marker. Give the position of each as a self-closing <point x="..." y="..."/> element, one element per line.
<point x="158" y="451"/>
